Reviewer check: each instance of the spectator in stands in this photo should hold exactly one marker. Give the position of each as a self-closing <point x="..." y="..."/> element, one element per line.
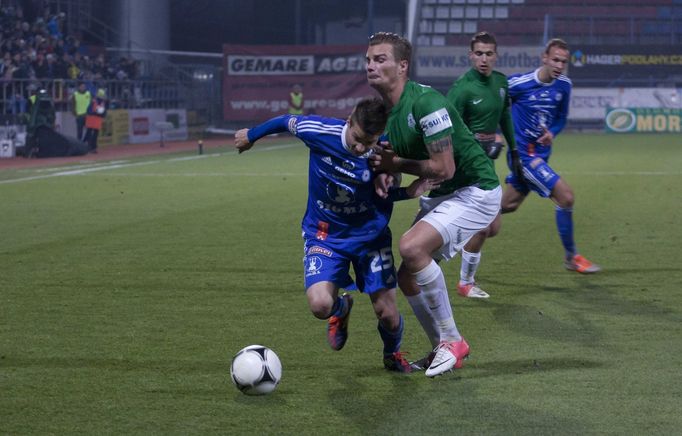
<point x="18" y="104"/>
<point x="540" y="101"/>
<point x="81" y="101"/>
<point x="95" y="119"/>
<point x="61" y="66"/>
<point x="40" y="67"/>
<point x="37" y="46"/>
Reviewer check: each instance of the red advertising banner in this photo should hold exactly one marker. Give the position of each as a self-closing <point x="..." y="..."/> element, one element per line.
<point x="257" y="79"/>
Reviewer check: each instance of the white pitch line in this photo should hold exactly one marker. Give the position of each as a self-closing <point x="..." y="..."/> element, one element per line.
<point x="623" y="173"/>
<point x="205" y="175"/>
<point x="112" y="165"/>
<point x="84" y="165"/>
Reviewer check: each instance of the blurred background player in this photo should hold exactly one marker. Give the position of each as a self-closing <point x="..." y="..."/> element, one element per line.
<point x="429" y="140"/>
<point x="540" y="101"/>
<point x="481" y="98"/>
<point x="346" y="222"/>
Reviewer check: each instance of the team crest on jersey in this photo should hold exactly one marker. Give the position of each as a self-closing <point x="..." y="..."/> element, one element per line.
<point x="502" y="93"/>
<point x="411" y="121"/>
<point x="316" y="249"/>
<point x="313" y="264"/>
<point x="365" y="176"/>
<point x="558" y="96"/>
<point x="340" y="194"/>
<point x="292" y="125"/>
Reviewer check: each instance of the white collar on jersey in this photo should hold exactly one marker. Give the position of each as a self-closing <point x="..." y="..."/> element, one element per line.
<point x="347" y="147"/>
<point x="343" y="137"/>
<point x="536" y="76"/>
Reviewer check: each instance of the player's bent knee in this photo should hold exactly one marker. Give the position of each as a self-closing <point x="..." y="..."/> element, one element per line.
<point x="509" y="207"/>
<point x="320" y="305"/>
<point x="494" y="228"/>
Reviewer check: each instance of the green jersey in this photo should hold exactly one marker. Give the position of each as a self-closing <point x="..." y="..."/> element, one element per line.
<point x="423" y="115"/>
<point x="483" y="103"/>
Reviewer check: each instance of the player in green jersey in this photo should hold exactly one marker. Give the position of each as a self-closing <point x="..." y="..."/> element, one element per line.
<point x="481" y="97"/>
<point x="429" y="139"/>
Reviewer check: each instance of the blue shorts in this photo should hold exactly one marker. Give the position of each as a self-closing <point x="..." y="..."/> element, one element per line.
<point x="330" y="261"/>
<point x="540" y="179"/>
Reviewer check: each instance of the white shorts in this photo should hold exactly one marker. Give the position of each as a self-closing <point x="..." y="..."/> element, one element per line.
<point x="459" y="216"/>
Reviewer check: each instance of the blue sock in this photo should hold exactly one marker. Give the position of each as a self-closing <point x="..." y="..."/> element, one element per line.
<point x="564" y="223"/>
<point x="339" y="308"/>
<point x="392" y="340"/>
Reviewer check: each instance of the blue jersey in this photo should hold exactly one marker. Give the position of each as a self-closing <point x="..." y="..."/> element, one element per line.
<point x="342" y="203"/>
<point x="537" y="106"/>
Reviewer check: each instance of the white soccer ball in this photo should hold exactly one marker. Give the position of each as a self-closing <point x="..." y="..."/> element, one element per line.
<point x="100" y="110"/>
<point x="256" y="370"/>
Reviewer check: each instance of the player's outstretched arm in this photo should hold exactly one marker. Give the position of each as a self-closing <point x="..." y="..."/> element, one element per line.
<point x="245" y="138"/>
<point x="241" y="140"/>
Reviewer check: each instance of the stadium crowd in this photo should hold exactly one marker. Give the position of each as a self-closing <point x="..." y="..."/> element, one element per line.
<point x="43" y="54"/>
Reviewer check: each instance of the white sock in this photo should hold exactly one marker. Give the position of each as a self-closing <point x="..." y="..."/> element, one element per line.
<point x="432" y="284"/>
<point x="470" y="263"/>
<point x="421" y="310"/>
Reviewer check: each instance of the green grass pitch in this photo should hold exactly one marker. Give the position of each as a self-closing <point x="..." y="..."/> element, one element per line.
<point x="125" y="289"/>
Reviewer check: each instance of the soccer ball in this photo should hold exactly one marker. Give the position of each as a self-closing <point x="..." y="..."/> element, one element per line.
<point x="256" y="370"/>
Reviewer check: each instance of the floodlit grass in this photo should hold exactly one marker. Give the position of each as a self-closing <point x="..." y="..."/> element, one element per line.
<point x="124" y="293"/>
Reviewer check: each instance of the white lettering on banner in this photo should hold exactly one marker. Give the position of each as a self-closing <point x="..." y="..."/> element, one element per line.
<point x="435" y="122"/>
<point x="281" y="105"/>
<point x="245" y="65"/>
<point x="341" y="64"/>
<point x="452" y="62"/>
<point x="603" y="59"/>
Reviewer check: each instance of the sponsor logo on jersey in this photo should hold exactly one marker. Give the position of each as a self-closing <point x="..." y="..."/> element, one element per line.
<point x="348" y="165"/>
<point x="345" y="172"/>
<point x="435" y="122"/>
<point x="475" y="102"/>
<point x="316" y="249"/>
<point x="327" y="160"/>
<point x="345" y="210"/>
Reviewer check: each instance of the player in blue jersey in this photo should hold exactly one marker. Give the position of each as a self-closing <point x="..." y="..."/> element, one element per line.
<point x="540" y="101"/>
<point x="346" y="222"/>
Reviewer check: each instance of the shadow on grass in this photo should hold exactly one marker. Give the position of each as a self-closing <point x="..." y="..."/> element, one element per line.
<point x="113" y="364"/>
<point x="529" y="366"/>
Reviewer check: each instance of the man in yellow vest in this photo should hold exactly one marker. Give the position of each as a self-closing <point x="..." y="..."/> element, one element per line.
<point x="81" y="103"/>
<point x="296" y="100"/>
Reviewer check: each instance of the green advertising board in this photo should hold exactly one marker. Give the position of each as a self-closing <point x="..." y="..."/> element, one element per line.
<point x="643" y="120"/>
